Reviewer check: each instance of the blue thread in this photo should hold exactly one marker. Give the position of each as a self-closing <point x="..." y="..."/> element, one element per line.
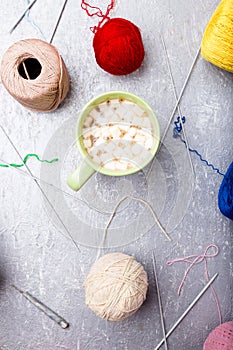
<point x="33" y="24"/>
<point x="178" y="124"/>
<point x="176" y="134"/>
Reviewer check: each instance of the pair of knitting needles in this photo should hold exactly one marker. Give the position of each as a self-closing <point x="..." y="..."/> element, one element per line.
<point x="166" y="335"/>
<point x="29" y="7"/>
<point x="178" y="99"/>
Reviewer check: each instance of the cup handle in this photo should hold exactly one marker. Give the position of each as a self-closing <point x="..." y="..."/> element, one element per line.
<point x="78" y="178"/>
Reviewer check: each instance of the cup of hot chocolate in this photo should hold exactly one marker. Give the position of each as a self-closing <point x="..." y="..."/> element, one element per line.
<point x="118" y="134"/>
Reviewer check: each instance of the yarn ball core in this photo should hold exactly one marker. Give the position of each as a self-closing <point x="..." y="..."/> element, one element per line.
<point x="116" y="286"/>
<point x="34" y="73"/>
<point x="221" y="338"/>
<point x="118" y="47"/>
<point x="217" y="40"/>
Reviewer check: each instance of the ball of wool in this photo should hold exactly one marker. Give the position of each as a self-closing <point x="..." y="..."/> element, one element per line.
<point x="217" y="40"/>
<point x="45" y="86"/>
<point x="116" y="286"/>
<point x="225" y="194"/>
<point x="118" y="47"/>
<point x="221" y="338"/>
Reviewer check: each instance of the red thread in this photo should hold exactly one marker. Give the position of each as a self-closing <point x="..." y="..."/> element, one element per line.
<point x="97" y="12"/>
<point x="117" y="42"/>
<point x="194" y="260"/>
<point x="118" y="47"/>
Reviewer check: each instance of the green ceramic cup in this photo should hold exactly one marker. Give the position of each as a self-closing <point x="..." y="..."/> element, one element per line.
<point x="88" y="167"/>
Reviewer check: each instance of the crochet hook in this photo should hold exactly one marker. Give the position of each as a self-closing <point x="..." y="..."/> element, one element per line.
<point x="47" y="311"/>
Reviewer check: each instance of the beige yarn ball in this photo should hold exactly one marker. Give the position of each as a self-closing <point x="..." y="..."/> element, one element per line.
<point x="116" y="286"/>
<point x="34" y="73"/>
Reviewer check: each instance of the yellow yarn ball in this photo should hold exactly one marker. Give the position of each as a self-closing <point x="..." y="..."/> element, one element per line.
<point x="116" y="286"/>
<point x="217" y="41"/>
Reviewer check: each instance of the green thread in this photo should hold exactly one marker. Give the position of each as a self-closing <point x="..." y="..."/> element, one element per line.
<point x="26" y="159"/>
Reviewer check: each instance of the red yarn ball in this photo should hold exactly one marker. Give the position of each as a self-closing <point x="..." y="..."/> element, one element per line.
<point x="221" y="338"/>
<point x="118" y="47"/>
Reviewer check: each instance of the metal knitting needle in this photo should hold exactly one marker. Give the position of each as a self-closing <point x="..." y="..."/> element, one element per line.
<point x="21" y="16"/>
<point x="42" y="191"/>
<point x="176" y="98"/>
<point x="160" y="301"/>
<point x="182" y="92"/>
<point x="58" y="21"/>
<point x="170" y="73"/>
<point x="187" y="310"/>
<point x="45" y="309"/>
<point x="175" y="107"/>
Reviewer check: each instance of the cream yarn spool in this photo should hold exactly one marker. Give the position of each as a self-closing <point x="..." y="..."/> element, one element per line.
<point x="34" y="73"/>
<point x="116" y="286"/>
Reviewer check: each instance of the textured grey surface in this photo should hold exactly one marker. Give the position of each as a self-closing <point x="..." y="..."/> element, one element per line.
<point x="34" y="251"/>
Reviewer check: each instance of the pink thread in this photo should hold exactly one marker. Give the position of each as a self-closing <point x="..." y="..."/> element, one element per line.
<point x="194" y="260"/>
<point x="97" y="12"/>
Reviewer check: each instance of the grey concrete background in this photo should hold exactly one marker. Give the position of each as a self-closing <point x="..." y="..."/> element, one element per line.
<point x="35" y="253"/>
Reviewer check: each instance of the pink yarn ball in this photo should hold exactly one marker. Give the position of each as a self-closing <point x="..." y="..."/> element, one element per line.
<point x="221" y="338"/>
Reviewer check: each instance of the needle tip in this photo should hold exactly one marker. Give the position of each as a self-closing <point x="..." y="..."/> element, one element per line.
<point x="64" y="324"/>
<point x="13" y="286"/>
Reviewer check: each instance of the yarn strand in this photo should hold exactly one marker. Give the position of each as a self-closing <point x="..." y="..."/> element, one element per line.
<point x="195" y="260"/>
<point x="30" y="21"/>
<point x="176" y="133"/>
<point x="26" y="159"/>
<point x="97" y="12"/>
<point x="114" y="213"/>
<point x="25" y="70"/>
